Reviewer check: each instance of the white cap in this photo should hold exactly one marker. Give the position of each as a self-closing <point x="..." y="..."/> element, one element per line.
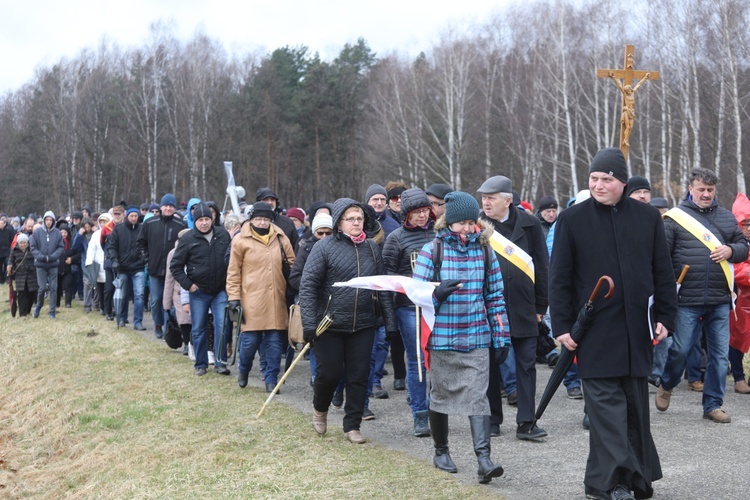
<point x="322" y="220"/>
<point x="582" y="196"/>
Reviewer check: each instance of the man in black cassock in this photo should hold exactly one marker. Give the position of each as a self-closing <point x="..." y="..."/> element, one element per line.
<point x="611" y="234"/>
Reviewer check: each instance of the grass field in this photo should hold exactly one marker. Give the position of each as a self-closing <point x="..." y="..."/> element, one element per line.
<point x="89" y="411"/>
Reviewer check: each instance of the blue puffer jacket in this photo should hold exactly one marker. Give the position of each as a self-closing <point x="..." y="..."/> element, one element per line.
<point x="704" y="283"/>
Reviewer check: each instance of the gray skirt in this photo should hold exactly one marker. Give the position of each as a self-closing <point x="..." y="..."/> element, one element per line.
<point x="459" y="382"/>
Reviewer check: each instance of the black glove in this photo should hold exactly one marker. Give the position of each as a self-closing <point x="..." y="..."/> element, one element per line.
<point x="446" y="288"/>
<point x="233" y="304"/>
<point x="501" y="354"/>
<point x="116" y="267"/>
<point x="309" y="336"/>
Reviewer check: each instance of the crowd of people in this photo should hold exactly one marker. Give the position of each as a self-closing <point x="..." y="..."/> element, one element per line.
<point x="507" y="279"/>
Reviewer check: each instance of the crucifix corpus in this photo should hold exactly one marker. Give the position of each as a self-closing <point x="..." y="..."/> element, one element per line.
<point x="627" y="75"/>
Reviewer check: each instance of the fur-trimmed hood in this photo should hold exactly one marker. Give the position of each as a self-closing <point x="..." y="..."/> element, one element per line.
<point x="487" y="229"/>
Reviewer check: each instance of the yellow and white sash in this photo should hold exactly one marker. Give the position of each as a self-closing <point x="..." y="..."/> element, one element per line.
<point x="701" y="232"/>
<point x="513" y="253"/>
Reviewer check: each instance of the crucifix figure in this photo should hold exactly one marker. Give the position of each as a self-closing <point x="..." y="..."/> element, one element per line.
<point x="627" y="74"/>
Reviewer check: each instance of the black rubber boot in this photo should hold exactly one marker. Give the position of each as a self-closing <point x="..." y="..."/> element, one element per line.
<point x="421" y="427"/>
<point x="480" y="434"/>
<point x="439" y="430"/>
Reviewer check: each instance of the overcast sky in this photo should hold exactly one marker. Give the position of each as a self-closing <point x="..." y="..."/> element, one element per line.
<point x="36" y="33"/>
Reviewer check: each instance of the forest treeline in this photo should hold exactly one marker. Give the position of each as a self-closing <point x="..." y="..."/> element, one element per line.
<point x="516" y="95"/>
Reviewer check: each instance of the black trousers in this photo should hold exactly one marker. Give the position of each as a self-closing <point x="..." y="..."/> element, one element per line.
<point x="109" y="291"/>
<point x="335" y="351"/>
<point x="397" y="357"/>
<point x="494" y="390"/>
<point x="621" y="449"/>
<point x="525" y="352"/>
<point x="25" y="301"/>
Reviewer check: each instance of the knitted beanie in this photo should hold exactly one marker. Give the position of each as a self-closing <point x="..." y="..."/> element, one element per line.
<point x="612" y="162"/>
<point x="547" y="202"/>
<point x="168" y="199"/>
<point x="460" y="206"/>
<point x="260" y="209"/>
<point x="322" y="220"/>
<point x="635" y="183"/>
<point x="373" y="190"/>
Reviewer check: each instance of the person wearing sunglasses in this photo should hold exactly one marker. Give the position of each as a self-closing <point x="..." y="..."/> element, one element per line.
<point x="394" y="190"/>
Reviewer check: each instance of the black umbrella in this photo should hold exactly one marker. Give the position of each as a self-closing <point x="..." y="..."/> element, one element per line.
<point x="12" y="298"/>
<point x="582" y="323"/>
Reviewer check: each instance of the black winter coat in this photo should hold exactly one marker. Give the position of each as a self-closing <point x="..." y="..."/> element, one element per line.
<point x="626" y="242"/>
<point x="6" y="238"/>
<point x="196" y="261"/>
<point x="334" y="259"/>
<point x="399" y="245"/>
<point x="285" y="224"/>
<point x="23" y="269"/>
<point x="295" y="276"/>
<point x="524" y="299"/>
<point x="704" y="283"/>
<point x="157" y="238"/>
<point x="121" y="247"/>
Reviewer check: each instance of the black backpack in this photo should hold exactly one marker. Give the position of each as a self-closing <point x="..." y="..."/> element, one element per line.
<point x="437" y="261"/>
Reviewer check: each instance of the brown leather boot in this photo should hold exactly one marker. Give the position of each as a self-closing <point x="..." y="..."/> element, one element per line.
<point x="741" y="387"/>
<point x="320" y="421"/>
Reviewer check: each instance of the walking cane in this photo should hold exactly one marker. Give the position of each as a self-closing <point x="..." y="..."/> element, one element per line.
<point x="322" y="327"/>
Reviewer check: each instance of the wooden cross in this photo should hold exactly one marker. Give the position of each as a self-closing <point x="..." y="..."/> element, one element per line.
<point x="627" y="74"/>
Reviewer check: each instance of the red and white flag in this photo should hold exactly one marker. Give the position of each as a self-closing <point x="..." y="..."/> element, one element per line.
<point x="419" y="292"/>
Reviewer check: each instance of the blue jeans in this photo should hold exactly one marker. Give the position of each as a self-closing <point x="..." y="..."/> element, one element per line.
<point x="135" y="283"/>
<point x="693" y="359"/>
<point x="156" y="287"/>
<point x="46" y="278"/>
<point x="508" y="372"/>
<point x="417" y="390"/>
<point x="200" y="303"/>
<point x="687" y="334"/>
<point x="272" y="342"/>
<point x="377" y="362"/>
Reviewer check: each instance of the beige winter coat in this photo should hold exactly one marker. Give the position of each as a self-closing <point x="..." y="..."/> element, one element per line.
<point x="255" y="278"/>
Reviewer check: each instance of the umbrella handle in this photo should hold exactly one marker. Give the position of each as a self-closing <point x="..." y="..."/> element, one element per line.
<point x="685" y="269"/>
<point x="599" y="285"/>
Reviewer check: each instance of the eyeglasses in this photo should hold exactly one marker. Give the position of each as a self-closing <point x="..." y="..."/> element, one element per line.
<point x="354" y="220"/>
<point x="745" y="225"/>
<point x="437" y="204"/>
<point x="323" y="233"/>
<point x="421" y="211"/>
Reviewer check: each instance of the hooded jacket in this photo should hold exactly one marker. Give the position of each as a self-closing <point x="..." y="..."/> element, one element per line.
<point x="338" y="258"/>
<point x="739" y="328"/>
<point x="47" y="245"/>
<point x="704" y="284"/>
<point x="122" y="249"/>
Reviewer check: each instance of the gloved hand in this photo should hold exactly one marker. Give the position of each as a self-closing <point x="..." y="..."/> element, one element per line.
<point x="501" y="354"/>
<point x="309" y="336"/>
<point x="116" y="267"/>
<point x="233" y="304"/>
<point x="446" y="288"/>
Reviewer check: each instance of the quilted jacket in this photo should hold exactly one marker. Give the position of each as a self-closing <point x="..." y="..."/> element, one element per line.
<point x="335" y="259"/>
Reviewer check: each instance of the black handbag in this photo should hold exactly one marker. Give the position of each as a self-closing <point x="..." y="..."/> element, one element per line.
<point x="172" y="333"/>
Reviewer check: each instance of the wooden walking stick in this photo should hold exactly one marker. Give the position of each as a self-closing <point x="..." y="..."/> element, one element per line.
<point x="323" y="326"/>
<point x="418" y="322"/>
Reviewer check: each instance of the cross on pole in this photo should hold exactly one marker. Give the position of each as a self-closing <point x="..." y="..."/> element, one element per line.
<point x="627" y="74"/>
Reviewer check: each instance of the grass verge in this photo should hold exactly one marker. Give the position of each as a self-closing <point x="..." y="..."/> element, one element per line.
<point x="87" y="410"/>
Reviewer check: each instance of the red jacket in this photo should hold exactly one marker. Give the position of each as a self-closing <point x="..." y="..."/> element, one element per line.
<point x="739" y="329"/>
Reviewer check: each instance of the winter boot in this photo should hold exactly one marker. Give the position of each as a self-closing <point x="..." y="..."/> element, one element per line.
<point x="39" y="305"/>
<point x="421" y="427"/>
<point x="480" y="435"/>
<point x="439" y="430"/>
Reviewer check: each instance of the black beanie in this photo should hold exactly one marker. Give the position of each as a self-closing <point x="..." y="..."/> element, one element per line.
<point x="261" y="209"/>
<point x="612" y="162"/>
<point x="395" y="191"/>
<point x="547" y="202"/>
<point x="635" y="183"/>
<point x="460" y="206"/>
<point x="201" y="210"/>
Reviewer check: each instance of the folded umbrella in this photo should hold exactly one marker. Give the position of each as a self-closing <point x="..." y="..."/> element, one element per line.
<point x="12" y="298"/>
<point x="118" y="299"/>
<point x="585" y="316"/>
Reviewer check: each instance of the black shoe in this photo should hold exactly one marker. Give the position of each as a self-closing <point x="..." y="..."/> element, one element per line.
<point x="110" y="317"/>
<point x="513" y="399"/>
<point x="242" y="380"/>
<point x="528" y="431"/>
<point x="338" y="400"/>
<point x="68" y="306"/>
<point x="552" y="361"/>
<point x="494" y="430"/>
<point x="270" y="387"/>
<point x="200" y="371"/>
<point x="620" y="492"/>
<point x="379" y="393"/>
<point x="654" y="380"/>
<point x="120" y="324"/>
<point x="399" y="384"/>
<point x="575" y="393"/>
<point x="367" y="414"/>
<point x="221" y="370"/>
<point x="586" y="423"/>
